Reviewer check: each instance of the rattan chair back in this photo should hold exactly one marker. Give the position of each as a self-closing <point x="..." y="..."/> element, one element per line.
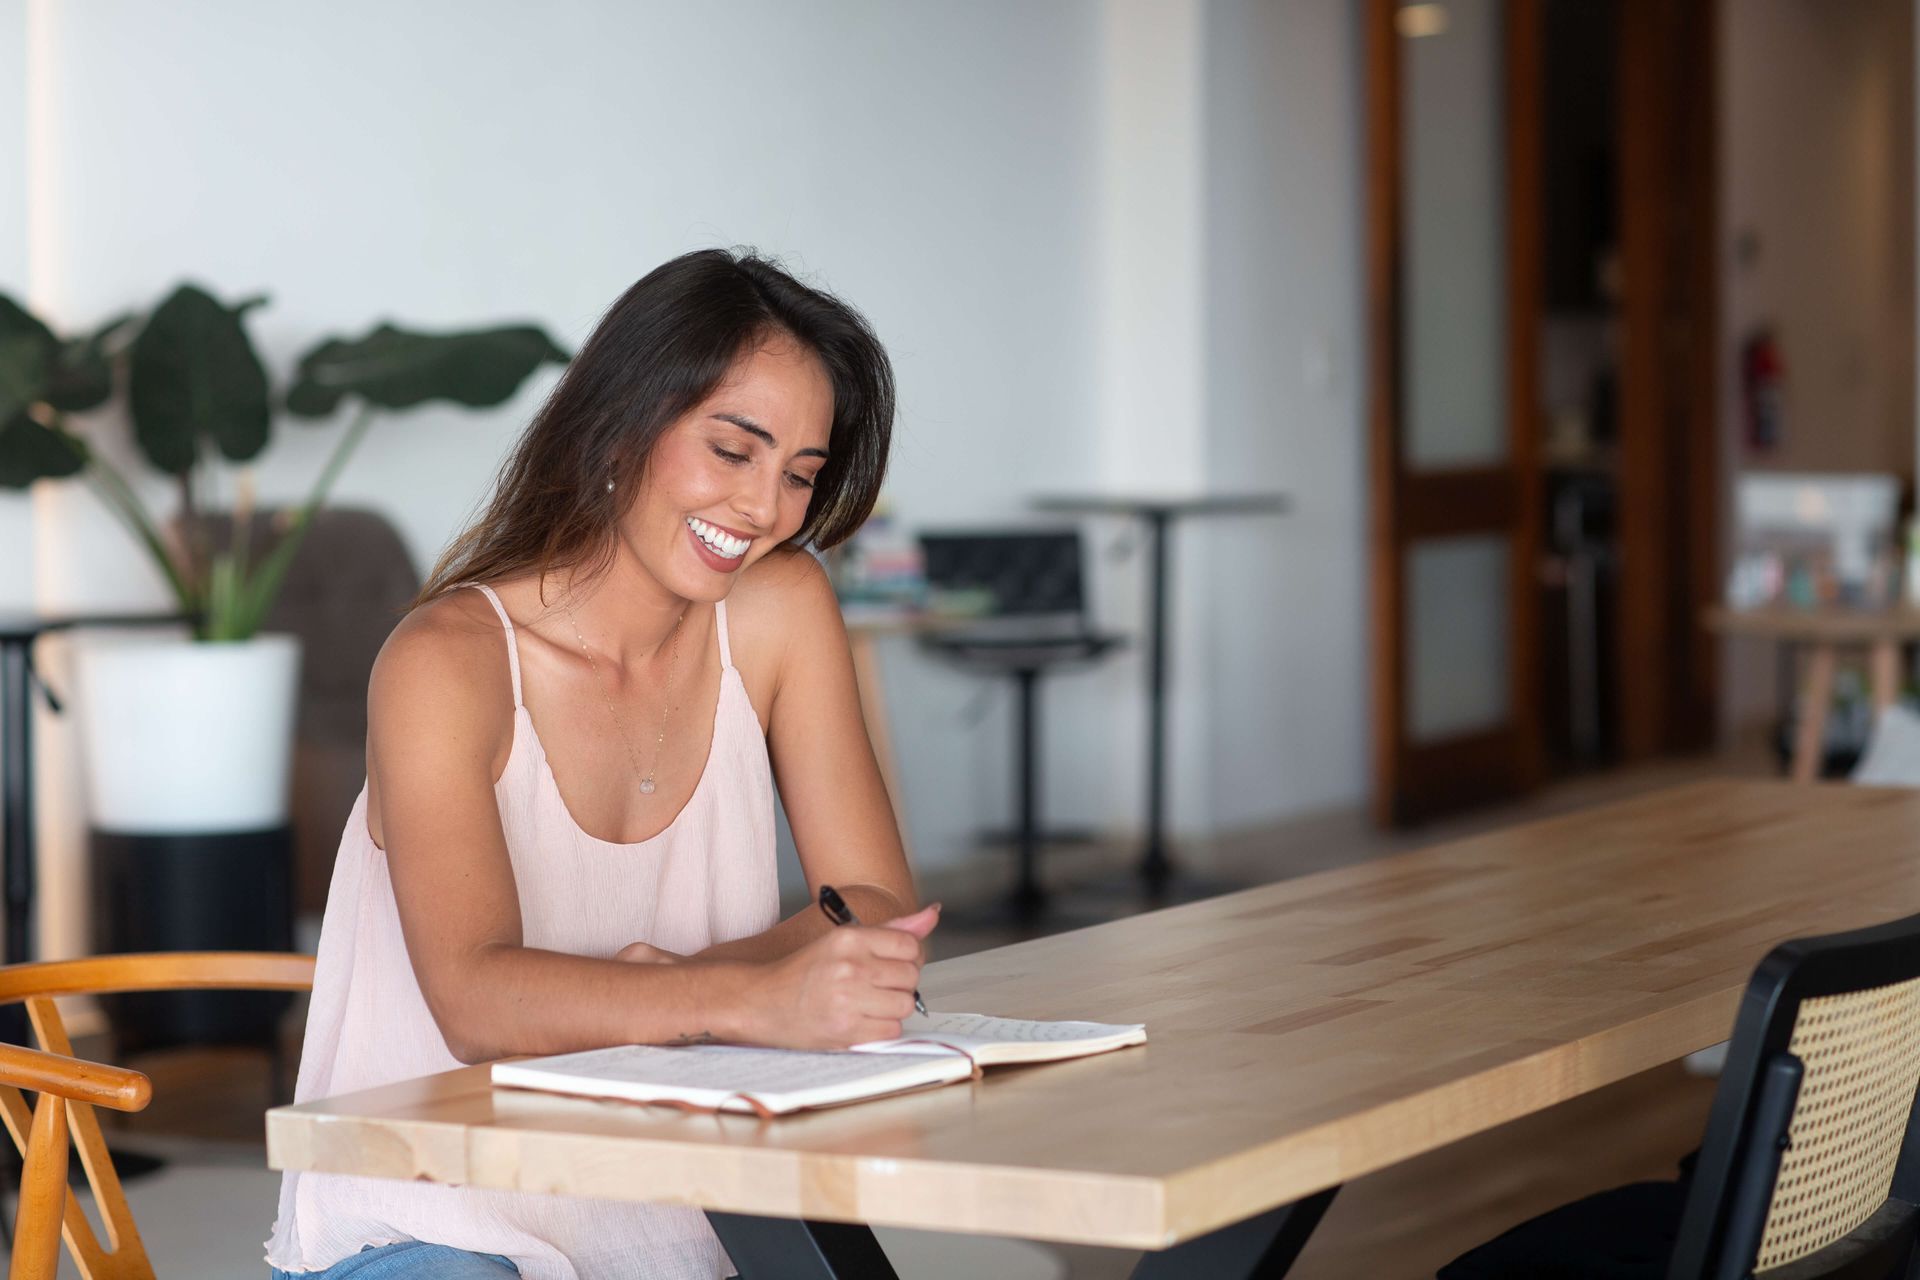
<point x="1811" y="1164"/>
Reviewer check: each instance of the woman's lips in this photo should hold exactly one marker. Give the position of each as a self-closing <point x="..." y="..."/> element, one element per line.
<point x="712" y="559"/>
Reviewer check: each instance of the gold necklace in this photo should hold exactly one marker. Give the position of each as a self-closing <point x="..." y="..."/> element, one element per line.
<point x="619" y="725"/>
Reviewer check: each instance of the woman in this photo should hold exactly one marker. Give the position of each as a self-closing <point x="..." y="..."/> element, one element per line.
<point x="566" y="838"/>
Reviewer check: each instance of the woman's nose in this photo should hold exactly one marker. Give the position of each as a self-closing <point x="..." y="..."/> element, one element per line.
<point x="759" y="499"/>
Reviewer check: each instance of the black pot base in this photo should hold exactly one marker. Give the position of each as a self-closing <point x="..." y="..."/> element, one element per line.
<point x="224" y="891"/>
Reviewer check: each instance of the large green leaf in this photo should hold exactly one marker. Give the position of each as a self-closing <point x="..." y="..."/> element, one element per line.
<point x="27" y="352"/>
<point x="23" y="373"/>
<point x="82" y="377"/>
<point x="195" y="376"/>
<point x="397" y="369"/>
<point x="29" y="452"/>
<point x="16" y="319"/>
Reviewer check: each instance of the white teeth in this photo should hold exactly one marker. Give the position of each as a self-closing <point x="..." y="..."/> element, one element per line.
<point x="724" y="545"/>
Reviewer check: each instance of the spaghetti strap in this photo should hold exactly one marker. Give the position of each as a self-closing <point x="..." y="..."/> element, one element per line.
<point x="720" y="630"/>
<point x="513" y="645"/>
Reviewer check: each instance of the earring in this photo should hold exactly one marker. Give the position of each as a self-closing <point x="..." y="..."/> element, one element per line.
<point x="609" y="486"/>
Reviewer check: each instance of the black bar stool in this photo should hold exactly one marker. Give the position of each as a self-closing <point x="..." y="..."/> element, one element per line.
<point x="1036" y="624"/>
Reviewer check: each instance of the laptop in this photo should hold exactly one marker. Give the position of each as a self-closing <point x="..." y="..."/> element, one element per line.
<point x="1032" y="576"/>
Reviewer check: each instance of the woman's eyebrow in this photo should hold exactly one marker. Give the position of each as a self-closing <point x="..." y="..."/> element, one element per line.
<point x="748" y="425"/>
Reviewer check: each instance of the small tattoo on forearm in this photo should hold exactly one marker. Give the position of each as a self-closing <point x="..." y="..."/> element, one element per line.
<point x="696" y="1037"/>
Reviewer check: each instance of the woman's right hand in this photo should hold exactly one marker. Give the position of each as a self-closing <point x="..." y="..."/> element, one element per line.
<point x="846" y="987"/>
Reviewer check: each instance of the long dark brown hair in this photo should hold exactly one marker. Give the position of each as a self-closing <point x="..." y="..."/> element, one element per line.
<point x="659" y="351"/>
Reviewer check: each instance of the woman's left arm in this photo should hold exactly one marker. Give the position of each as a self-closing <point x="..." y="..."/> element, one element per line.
<point x="837" y="806"/>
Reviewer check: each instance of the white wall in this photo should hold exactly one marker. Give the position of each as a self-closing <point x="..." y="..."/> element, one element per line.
<point x="16" y="509"/>
<point x="1286" y="623"/>
<point x="1104" y="241"/>
<point x="1150" y="302"/>
<point x="432" y="161"/>
<point x="1151" y="290"/>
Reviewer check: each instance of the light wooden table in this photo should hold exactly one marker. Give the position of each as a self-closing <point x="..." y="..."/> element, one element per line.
<point x="1303" y="1034"/>
<point x="1824" y="633"/>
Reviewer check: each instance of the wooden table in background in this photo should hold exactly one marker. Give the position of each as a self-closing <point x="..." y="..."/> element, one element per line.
<point x="1824" y="632"/>
<point x="863" y="630"/>
<point x="1303" y="1034"/>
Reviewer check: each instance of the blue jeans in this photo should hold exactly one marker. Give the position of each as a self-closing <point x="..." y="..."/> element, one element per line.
<point x="411" y="1260"/>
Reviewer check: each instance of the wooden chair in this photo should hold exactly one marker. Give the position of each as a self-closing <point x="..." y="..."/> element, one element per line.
<point x="1811" y="1165"/>
<point x="70" y="1088"/>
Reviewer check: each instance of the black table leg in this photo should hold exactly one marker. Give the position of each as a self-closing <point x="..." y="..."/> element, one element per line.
<point x="1029" y="899"/>
<point x="1156" y="866"/>
<point x="783" y="1248"/>
<point x="16" y="749"/>
<point x="1262" y="1248"/>
<point x="1157" y="870"/>
<point x="16" y="814"/>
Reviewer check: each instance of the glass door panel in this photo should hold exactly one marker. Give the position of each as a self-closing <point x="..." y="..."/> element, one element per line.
<point x="1459" y="602"/>
<point x="1453" y="214"/>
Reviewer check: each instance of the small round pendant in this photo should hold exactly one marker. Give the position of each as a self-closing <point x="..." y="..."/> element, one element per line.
<point x="646" y="786"/>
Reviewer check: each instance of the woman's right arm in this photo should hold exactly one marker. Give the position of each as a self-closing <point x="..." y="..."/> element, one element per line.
<point x="438" y="718"/>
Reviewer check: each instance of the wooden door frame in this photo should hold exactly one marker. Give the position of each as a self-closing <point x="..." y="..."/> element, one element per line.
<point x="1668" y="515"/>
<point x="1416" y="781"/>
<point x="1669" y="461"/>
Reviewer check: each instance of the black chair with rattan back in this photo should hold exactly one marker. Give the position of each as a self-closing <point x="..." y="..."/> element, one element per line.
<point x="1811" y="1165"/>
<point x="1036" y="623"/>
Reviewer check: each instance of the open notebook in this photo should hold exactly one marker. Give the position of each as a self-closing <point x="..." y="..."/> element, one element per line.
<point x="931" y="1050"/>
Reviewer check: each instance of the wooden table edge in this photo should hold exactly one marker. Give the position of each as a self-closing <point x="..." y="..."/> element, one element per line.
<point x="1825" y="624"/>
<point x="1134" y="1218"/>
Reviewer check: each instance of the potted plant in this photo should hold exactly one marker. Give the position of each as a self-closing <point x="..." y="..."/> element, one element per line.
<point x="190" y="739"/>
<point x="197" y="392"/>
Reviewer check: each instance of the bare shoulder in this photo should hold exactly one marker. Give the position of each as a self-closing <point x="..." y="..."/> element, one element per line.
<point x="444" y="669"/>
<point x="785" y="589"/>
<point x="783" y="604"/>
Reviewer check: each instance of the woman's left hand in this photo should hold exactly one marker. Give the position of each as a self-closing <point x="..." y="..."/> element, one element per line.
<point x="644" y="953"/>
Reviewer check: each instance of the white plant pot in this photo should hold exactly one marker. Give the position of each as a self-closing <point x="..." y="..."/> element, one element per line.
<point x="185" y="737"/>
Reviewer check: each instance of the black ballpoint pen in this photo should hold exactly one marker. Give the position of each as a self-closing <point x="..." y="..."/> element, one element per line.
<point x="837" y="911"/>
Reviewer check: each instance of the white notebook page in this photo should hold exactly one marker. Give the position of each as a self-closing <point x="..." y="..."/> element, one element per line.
<point x="708" y="1075"/>
<point x="978" y="1032"/>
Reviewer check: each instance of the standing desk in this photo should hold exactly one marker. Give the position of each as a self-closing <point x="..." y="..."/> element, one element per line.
<point x="1159" y="512"/>
<point x="1303" y="1034"/>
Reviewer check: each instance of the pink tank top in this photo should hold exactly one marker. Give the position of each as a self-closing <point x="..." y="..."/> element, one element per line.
<point x="708" y="878"/>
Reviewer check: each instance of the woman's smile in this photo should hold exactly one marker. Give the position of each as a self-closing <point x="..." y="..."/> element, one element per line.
<point x="719" y="548"/>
